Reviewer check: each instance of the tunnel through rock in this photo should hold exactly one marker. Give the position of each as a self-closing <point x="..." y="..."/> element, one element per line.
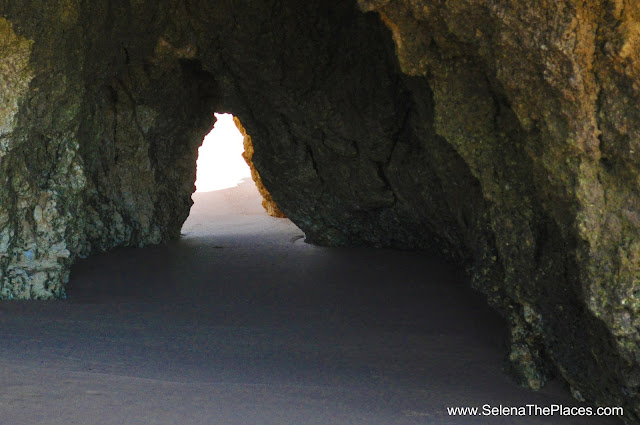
<point x="220" y="164"/>
<point x="501" y="135"/>
<point x="225" y="161"/>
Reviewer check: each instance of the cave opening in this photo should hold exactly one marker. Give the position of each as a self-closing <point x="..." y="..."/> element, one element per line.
<point x="230" y="196"/>
<point x="220" y="164"/>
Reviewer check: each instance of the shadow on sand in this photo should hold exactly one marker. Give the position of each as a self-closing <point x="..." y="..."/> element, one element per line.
<point x="241" y="322"/>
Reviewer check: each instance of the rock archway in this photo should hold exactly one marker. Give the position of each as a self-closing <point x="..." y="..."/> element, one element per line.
<point x="504" y="137"/>
<point x="107" y="132"/>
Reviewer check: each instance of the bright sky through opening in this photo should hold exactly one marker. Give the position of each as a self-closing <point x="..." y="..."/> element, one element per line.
<point x="220" y="163"/>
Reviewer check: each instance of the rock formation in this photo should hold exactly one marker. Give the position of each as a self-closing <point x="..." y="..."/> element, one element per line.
<point x="268" y="203"/>
<point x="502" y="134"/>
<point x="540" y="100"/>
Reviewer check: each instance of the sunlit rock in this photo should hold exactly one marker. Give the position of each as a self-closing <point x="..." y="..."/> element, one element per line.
<point x="267" y="200"/>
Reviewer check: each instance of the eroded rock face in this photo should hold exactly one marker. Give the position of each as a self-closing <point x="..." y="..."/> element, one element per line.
<point x="268" y="203"/>
<point x="540" y="99"/>
<point x="502" y="134"/>
<point x="100" y="123"/>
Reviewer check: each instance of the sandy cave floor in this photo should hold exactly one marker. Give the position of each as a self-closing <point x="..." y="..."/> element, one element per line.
<point x="242" y="322"/>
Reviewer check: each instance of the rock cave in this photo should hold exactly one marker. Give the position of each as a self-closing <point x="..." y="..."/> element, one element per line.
<point x="500" y="135"/>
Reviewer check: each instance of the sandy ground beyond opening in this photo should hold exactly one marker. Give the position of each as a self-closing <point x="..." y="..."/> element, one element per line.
<point x="241" y="322"/>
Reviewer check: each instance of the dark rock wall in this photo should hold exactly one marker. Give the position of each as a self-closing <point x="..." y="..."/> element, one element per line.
<point x="326" y="110"/>
<point x="504" y="138"/>
<point x="100" y="148"/>
<point x="540" y="99"/>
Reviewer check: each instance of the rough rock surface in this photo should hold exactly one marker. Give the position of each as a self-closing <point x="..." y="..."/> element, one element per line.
<point x="506" y="137"/>
<point x="95" y="151"/>
<point x="540" y="99"/>
<point x="268" y="203"/>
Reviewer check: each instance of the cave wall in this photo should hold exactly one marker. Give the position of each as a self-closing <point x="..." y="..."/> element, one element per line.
<point x="501" y="134"/>
<point x="99" y="144"/>
<point x="540" y="99"/>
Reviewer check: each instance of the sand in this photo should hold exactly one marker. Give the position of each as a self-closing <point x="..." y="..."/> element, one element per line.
<point x="241" y="322"/>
